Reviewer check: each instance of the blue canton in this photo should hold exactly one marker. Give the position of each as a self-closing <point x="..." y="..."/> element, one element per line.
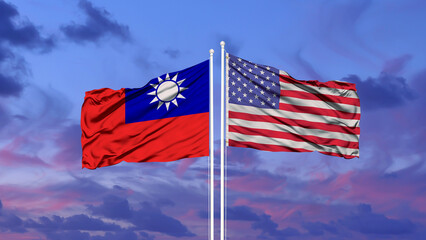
<point x="253" y="84"/>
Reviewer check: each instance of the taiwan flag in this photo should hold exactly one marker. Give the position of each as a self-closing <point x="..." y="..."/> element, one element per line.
<point x="166" y="120"/>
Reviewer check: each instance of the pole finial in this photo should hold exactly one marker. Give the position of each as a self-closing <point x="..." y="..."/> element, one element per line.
<point x="211" y="51"/>
<point x="222" y="43"/>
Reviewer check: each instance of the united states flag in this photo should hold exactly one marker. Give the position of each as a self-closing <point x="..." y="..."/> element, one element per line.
<point x="269" y="110"/>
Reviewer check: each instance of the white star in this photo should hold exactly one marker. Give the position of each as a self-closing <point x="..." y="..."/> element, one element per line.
<point x="233" y="93"/>
<point x="239" y="69"/>
<point x="239" y="89"/>
<point x="245" y="84"/>
<point x="233" y="83"/>
<point x="250" y="70"/>
<point x="268" y="88"/>
<point x="273" y="104"/>
<point x="238" y="78"/>
<point x="267" y="77"/>
<point x="263" y="103"/>
<point x="255" y="96"/>
<point x="239" y="99"/>
<point x="255" y="66"/>
<point x="244" y="94"/>
<point x="273" y="84"/>
<point x="245" y="74"/>
<point x="250" y="100"/>
<point x="269" y="99"/>
<point x="233" y="73"/>
<point x="273" y="74"/>
<point x="255" y="86"/>
<point x="255" y="76"/>
<point x="244" y="64"/>
<point x="268" y="68"/>
<point x="274" y="95"/>
<point x="239" y="59"/>
<point x="250" y="90"/>
<point x="262" y="92"/>
<point x="262" y="82"/>
<point x="262" y="72"/>
<point x="234" y="64"/>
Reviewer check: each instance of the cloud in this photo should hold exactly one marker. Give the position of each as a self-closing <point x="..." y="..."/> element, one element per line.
<point x="241" y="213"/>
<point x="12" y="69"/>
<point x="385" y="91"/>
<point x="367" y="222"/>
<point x="319" y="228"/>
<point x="113" y="207"/>
<point x="22" y="34"/>
<point x="151" y="218"/>
<point x="270" y="228"/>
<point x="98" y="25"/>
<point x="172" y="53"/>
<point x="396" y="65"/>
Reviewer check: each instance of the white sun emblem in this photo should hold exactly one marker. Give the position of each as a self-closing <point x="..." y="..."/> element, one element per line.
<point x="167" y="91"/>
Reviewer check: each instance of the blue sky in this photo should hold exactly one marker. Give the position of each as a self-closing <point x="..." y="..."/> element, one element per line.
<point x="51" y="52"/>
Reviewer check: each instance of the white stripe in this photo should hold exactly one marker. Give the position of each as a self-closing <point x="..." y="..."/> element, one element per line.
<point x="318" y="90"/>
<point x="320" y="104"/>
<point x="294" y="129"/>
<point x="292" y="144"/>
<point x="284" y="73"/>
<point x="294" y="115"/>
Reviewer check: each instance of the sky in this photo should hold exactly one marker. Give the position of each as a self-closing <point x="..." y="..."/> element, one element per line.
<point x="53" y="51"/>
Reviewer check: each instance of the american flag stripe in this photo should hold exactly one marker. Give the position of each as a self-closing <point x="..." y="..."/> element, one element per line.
<point x="318" y="90"/>
<point x="268" y="140"/>
<point x="321" y="97"/>
<point x="293" y="129"/>
<point x="318" y="104"/>
<point x="296" y="116"/>
<point x="292" y="122"/>
<point x="293" y="136"/>
<point x="270" y="110"/>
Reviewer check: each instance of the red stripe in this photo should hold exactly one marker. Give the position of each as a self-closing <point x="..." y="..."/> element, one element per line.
<point x="266" y="147"/>
<point x="319" y="111"/>
<point x="315" y="83"/>
<point x="277" y="148"/>
<point x="320" y="97"/>
<point x="293" y="122"/>
<point x="293" y="137"/>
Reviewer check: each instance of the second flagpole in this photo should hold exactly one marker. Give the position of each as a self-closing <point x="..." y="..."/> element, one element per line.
<point x="222" y="142"/>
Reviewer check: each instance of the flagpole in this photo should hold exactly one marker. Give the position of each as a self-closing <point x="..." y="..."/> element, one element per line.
<point x="211" y="150"/>
<point x="222" y="143"/>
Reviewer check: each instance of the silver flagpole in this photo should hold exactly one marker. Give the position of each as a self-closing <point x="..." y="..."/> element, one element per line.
<point x="222" y="143"/>
<point x="211" y="150"/>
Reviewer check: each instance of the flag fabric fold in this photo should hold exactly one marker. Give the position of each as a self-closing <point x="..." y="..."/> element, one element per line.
<point x="267" y="109"/>
<point x="166" y="120"/>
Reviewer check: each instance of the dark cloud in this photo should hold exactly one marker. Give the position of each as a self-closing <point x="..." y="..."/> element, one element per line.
<point x="23" y="34"/>
<point x="11" y="69"/>
<point x="113" y="207"/>
<point x="10" y="86"/>
<point x="151" y="218"/>
<point x="385" y="91"/>
<point x="367" y="222"/>
<point x="9" y="222"/>
<point x="78" y="222"/>
<point x="270" y="229"/>
<point x="319" y="228"/>
<point x="172" y="53"/>
<point x="98" y="25"/>
<point x="242" y="213"/>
